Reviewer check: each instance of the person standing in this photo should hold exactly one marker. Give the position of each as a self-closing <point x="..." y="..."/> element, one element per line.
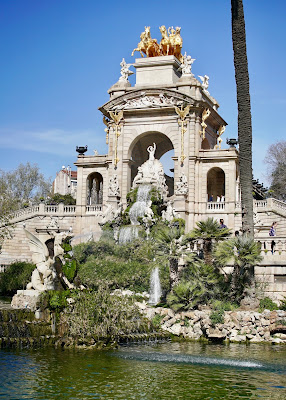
<point x="272" y="232"/>
<point x="222" y="224"/>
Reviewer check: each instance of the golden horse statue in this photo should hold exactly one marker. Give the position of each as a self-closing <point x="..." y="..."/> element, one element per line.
<point x="147" y="45"/>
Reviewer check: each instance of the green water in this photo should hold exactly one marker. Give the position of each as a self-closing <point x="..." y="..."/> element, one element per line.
<point x="158" y="371"/>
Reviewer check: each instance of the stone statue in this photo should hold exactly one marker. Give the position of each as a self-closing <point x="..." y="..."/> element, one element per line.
<point x="182" y="185"/>
<point x="113" y="188"/>
<point x="125" y="72"/>
<point x="170" y="212"/>
<point x="151" y="150"/>
<point x="108" y="214"/>
<point x="44" y="277"/>
<point x="152" y="172"/>
<point x="205" y="82"/>
<point x="186" y="65"/>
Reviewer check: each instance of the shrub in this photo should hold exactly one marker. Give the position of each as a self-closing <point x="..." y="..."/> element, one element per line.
<point x="217" y="317"/>
<point x="102" y="315"/>
<point x="16" y="277"/>
<point x="219" y="307"/>
<point x="267" y="304"/>
<point x="283" y="304"/>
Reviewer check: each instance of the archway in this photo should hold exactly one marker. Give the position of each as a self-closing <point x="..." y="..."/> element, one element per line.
<point x="94" y="189"/>
<point x="164" y="147"/>
<point x="216" y="184"/>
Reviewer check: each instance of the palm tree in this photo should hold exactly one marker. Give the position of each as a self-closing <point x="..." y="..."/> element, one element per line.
<point x="243" y="253"/>
<point x="209" y="231"/>
<point x="168" y="240"/>
<point x="244" y="114"/>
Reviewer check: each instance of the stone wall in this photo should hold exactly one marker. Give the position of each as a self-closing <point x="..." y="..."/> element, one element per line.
<point x="238" y="326"/>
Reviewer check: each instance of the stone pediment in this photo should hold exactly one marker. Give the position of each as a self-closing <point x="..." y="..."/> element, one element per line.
<point x="147" y="98"/>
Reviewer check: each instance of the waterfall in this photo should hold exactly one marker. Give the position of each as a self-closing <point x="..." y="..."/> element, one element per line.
<point x="155" y="287"/>
<point x="138" y="209"/>
<point x="127" y="234"/>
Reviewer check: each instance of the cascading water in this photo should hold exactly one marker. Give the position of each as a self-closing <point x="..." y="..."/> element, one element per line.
<point x="138" y="209"/>
<point x="155" y="287"/>
<point x="127" y="234"/>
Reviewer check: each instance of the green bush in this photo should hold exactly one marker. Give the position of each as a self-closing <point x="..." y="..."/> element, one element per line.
<point x="57" y="198"/>
<point x="217" y="317"/>
<point x="100" y="315"/>
<point x="267" y="304"/>
<point x="16" y="277"/>
<point x="218" y="309"/>
<point x="126" y="266"/>
<point x="283" y="304"/>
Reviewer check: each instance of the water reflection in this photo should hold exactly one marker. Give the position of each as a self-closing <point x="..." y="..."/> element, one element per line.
<point x="162" y="371"/>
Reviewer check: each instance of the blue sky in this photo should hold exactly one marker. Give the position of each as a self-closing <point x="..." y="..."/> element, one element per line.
<point x="59" y="58"/>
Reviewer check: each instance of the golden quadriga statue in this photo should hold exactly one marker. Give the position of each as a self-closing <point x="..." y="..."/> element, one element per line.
<point x="171" y="43"/>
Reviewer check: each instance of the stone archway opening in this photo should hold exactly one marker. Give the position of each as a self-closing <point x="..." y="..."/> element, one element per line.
<point x="94" y="189"/>
<point x="216" y="184"/>
<point x="164" y="152"/>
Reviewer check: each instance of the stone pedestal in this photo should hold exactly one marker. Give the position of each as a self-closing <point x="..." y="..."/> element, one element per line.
<point x="158" y="70"/>
<point x="26" y="299"/>
<point x="180" y="205"/>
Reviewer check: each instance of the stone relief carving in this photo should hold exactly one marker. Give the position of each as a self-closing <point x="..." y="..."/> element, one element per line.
<point x="113" y="188"/>
<point x="147" y="101"/>
<point x="182" y="185"/>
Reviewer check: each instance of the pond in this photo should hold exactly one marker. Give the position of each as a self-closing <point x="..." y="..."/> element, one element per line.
<point x="151" y="371"/>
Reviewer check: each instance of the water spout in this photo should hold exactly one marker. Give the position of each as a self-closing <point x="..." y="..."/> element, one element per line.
<point x="155" y="287"/>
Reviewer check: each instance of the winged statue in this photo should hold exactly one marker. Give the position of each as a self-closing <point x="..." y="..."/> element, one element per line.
<point x="116" y="117"/>
<point x="182" y="112"/>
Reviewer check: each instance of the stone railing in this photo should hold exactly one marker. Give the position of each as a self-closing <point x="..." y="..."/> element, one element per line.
<point x="93" y="209"/>
<point x="25" y="211"/>
<point x="279" y="248"/>
<point x="42" y="209"/>
<point x="214" y="206"/>
<point x="3" y="267"/>
<point x="270" y="204"/>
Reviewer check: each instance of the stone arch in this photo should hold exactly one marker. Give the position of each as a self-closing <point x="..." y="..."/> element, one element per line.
<point x="138" y="154"/>
<point x="94" y="189"/>
<point x="215" y="183"/>
<point x="205" y="144"/>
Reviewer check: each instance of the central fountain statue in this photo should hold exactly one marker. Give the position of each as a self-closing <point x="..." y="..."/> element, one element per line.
<point x="152" y="173"/>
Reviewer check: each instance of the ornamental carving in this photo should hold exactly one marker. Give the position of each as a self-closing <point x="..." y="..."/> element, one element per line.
<point x="147" y="101"/>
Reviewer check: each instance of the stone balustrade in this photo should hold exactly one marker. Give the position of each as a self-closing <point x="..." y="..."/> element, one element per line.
<point x="53" y="210"/>
<point x="214" y="206"/>
<point x="279" y="250"/>
<point x="94" y="209"/>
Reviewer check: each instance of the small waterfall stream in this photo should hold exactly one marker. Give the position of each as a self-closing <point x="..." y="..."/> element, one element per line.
<point x="155" y="287"/>
<point x="138" y="209"/>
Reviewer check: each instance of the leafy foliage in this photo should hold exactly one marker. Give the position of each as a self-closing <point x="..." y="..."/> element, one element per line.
<point x="15" y="277"/>
<point x="267" y="304"/>
<point x="121" y="266"/>
<point x="243" y="253"/>
<point x="209" y="231"/>
<point x="100" y="315"/>
<point x="200" y="283"/>
<point x="58" y="198"/>
<point x="218" y="309"/>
